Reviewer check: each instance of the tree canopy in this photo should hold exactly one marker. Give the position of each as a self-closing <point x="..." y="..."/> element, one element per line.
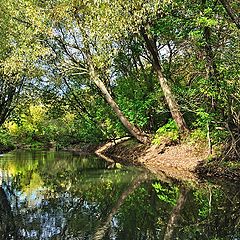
<point x="105" y="69"/>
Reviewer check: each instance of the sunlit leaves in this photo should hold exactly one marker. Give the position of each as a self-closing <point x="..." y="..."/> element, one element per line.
<point x="22" y="23"/>
<point x="168" y="194"/>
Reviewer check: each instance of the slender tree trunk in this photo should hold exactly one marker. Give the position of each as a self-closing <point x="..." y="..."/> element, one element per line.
<point x="213" y="73"/>
<point x="175" y="215"/>
<point x="94" y="76"/>
<point x="7" y="224"/>
<point x="101" y="231"/>
<point x="133" y="130"/>
<point x="231" y="13"/>
<point x="170" y="99"/>
<point x="169" y="96"/>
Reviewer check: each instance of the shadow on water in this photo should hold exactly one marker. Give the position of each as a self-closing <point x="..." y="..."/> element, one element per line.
<point x="56" y="195"/>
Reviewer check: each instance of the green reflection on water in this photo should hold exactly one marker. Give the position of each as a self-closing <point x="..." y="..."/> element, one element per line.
<point x="56" y="195"/>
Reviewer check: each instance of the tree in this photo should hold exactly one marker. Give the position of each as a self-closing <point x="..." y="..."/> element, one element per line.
<point x="118" y="19"/>
<point x="169" y="96"/>
<point x="9" y="94"/>
<point x="20" y="49"/>
<point x="231" y="12"/>
<point x="83" y="54"/>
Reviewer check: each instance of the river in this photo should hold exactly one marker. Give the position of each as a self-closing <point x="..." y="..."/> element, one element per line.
<point x="59" y="195"/>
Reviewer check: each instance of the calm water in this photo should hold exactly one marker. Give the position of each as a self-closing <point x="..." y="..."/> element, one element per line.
<point x="56" y="195"/>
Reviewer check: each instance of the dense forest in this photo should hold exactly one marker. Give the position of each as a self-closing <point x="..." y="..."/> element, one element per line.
<point x="87" y="71"/>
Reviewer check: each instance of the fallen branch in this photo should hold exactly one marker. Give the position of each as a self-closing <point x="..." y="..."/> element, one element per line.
<point x="100" y="151"/>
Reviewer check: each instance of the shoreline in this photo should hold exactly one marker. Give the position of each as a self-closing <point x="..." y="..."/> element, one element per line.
<point x="180" y="161"/>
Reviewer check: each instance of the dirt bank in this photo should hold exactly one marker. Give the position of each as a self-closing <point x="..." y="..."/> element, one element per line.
<point x="179" y="161"/>
<point x="220" y="169"/>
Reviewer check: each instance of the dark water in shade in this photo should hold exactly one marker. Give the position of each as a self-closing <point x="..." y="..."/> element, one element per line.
<point x="56" y="195"/>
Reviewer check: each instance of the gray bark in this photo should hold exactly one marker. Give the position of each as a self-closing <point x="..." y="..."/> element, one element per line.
<point x="133" y="130"/>
<point x="169" y="96"/>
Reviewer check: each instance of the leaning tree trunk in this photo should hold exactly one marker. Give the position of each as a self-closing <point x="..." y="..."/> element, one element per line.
<point x="231" y="13"/>
<point x="133" y="130"/>
<point x="101" y="231"/>
<point x="175" y="215"/>
<point x="169" y="96"/>
<point x="94" y="76"/>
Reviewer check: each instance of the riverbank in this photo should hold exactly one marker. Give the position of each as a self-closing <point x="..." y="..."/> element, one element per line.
<point x="5" y="148"/>
<point x="177" y="161"/>
<point x="182" y="161"/>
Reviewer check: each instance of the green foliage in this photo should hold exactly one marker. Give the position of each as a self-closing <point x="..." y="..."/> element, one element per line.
<point x="168" y="194"/>
<point x="203" y="118"/>
<point x="168" y="133"/>
<point x="206" y="124"/>
<point x="37" y="130"/>
<point x="38" y="127"/>
<point x="135" y="100"/>
<point x="203" y="201"/>
<point x="199" y="55"/>
<point x="197" y="135"/>
<point x="6" y="141"/>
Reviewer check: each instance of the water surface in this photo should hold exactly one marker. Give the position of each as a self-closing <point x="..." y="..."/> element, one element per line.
<point x="58" y="195"/>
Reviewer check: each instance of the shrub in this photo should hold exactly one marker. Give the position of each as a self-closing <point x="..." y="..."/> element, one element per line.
<point x="168" y="134"/>
<point x="197" y="135"/>
<point x="6" y="142"/>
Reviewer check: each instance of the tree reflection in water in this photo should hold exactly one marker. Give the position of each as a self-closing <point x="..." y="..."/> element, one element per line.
<point x="61" y="196"/>
<point x="7" y="224"/>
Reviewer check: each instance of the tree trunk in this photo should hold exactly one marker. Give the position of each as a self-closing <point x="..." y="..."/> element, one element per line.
<point x="175" y="215"/>
<point x="133" y="130"/>
<point x="169" y="96"/>
<point x="170" y="99"/>
<point x="101" y="231"/>
<point x="7" y="224"/>
<point x="231" y="13"/>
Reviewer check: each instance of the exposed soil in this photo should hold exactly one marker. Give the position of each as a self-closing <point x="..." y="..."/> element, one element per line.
<point x="217" y="169"/>
<point x="179" y="161"/>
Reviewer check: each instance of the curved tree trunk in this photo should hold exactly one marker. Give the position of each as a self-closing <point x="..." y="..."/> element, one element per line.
<point x="94" y="76"/>
<point x="101" y="231"/>
<point x="133" y="130"/>
<point x="169" y="96"/>
<point x="231" y="13"/>
<point x="175" y="215"/>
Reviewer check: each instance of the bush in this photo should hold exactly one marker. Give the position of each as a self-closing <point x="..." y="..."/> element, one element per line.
<point x="197" y="135"/>
<point x="168" y="134"/>
<point x="6" y="142"/>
